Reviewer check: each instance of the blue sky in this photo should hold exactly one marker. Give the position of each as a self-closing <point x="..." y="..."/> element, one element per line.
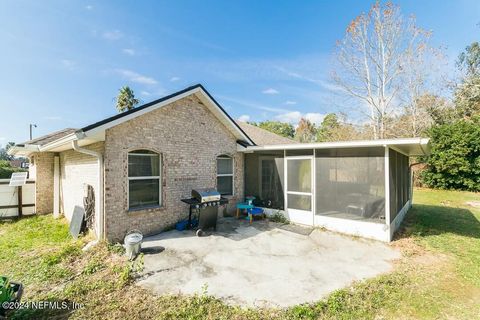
<point x="62" y="63"/>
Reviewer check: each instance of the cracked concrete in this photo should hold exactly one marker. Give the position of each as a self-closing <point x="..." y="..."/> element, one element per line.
<point x="263" y="264"/>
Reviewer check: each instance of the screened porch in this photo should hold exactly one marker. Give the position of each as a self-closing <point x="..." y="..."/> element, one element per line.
<point x="363" y="190"/>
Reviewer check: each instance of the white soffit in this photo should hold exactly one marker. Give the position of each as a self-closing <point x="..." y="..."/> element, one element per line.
<point x="97" y="132"/>
<point x="408" y="146"/>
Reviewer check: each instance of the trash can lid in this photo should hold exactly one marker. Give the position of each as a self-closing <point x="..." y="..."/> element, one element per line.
<point x="133" y="238"/>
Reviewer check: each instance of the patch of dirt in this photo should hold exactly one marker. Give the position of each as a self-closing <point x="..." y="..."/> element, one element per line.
<point x="475" y="204"/>
<point x="430" y="259"/>
<point x="415" y="255"/>
<point x="446" y="203"/>
<point x="408" y="247"/>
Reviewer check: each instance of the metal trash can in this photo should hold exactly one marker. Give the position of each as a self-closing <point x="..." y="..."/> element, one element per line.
<point x="133" y="243"/>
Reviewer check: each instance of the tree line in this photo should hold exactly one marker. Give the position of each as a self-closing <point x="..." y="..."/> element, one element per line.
<point x="388" y="70"/>
<point x="6" y="168"/>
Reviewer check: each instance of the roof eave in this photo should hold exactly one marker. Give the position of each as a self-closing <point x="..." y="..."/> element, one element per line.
<point x="422" y="142"/>
<point x="100" y="127"/>
<point x="59" y="142"/>
<point x="23" y="150"/>
<point x="96" y="131"/>
<point x="233" y="124"/>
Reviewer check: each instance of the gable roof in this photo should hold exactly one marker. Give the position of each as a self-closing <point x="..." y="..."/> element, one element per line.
<point x="198" y="90"/>
<point x="40" y="141"/>
<point x="61" y="140"/>
<point x="262" y="137"/>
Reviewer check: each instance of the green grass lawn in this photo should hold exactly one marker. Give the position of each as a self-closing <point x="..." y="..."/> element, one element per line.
<point x="438" y="276"/>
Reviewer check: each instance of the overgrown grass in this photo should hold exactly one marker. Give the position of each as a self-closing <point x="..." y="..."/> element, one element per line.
<point x="279" y="218"/>
<point x="442" y="221"/>
<point x="438" y="276"/>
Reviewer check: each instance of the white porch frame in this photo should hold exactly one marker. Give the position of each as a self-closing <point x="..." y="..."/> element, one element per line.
<point x="379" y="231"/>
<point x="299" y="216"/>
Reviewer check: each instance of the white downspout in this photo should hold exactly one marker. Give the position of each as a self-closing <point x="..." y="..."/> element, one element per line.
<point x="56" y="187"/>
<point x="99" y="214"/>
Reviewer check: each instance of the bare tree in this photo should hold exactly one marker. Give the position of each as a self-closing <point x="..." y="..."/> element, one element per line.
<point x="373" y="60"/>
<point x="305" y="131"/>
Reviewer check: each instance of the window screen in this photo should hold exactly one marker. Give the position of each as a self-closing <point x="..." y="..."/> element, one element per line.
<point x="350" y="184"/>
<point x="399" y="182"/>
<point x="264" y="176"/>
<point x="143" y="179"/>
<point x="299" y="175"/>
<point x="225" y="175"/>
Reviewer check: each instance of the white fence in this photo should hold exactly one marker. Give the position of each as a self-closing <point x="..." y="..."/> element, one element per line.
<point x="16" y="201"/>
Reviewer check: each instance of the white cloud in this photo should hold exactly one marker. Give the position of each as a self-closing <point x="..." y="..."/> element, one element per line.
<point x="145" y="93"/>
<point x="253" y="104"/>
<point x="68" y="64"/>
<point x="315" y="117"/>
<point x="270" y="91"/>
<point x="89" y="7"/>
<point x="289" y="117"/>
<point x="2" y="138"/>
<point x="173" y="79"/>
<point x="128" y="51"/>
<point x="295" y="116"/>
<point x="297" y="75"/>
<point x="327" y="85"/>
<point x="136" y="77"/>
<point x="290" y="102"/>
<point x="112" y="35"/>
<point x="244" y="118"/>
<point x="52" y="118"/>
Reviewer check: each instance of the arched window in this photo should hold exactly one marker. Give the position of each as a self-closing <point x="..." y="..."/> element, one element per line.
<point x="225" y="175"/>
<point x="144" y="179"/>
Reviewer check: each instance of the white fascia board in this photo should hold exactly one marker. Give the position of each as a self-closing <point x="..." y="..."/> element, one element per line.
<point x="108" y="125"/>
<point x="60" y="142"/>
<point x="241" y="148"/>
<point x="221" y="113"/>
<point x="101" y="129"/>
<point x="201" y="94"/>
<point x="342" y="144"/>
<point x="23" y="151"/>
<point x="98" y="133"/>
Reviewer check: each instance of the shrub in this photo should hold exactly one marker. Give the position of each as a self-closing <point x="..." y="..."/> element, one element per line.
<point x="6" y="170"/>
<point x="454" y="162"/>
<point x="278" y="217"/>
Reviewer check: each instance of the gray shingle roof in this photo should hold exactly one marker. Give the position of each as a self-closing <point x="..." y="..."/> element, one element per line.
<point x="50" y="137"/>
<point x="260" y="136"/>
<point x="263" y="137"/>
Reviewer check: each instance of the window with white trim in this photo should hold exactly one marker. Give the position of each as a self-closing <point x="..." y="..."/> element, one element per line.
<point x="144" y="179"/>
<point x="225" y="175"/>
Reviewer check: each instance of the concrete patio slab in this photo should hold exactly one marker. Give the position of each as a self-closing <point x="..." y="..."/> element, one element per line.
<point x="263" y="264"/>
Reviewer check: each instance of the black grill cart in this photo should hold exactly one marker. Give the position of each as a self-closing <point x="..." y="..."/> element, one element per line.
<point x="206" y="212"/>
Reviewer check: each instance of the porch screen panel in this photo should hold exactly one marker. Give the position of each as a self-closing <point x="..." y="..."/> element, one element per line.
<point x="264" y="178"/>
<point x="392" y="159"/>
<point x="299" y="175"/>
<point x="399" y="182"/>
<point x="350" y="183"/>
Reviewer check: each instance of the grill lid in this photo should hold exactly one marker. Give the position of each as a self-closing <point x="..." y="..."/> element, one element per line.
<point x="206" y="194"/>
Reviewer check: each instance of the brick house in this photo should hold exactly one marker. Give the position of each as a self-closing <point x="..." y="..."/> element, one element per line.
<point x="140" y="163"/>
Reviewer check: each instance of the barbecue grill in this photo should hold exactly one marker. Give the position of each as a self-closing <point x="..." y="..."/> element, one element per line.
<point x="206" y="195"/>
<point x="205" y="202"/>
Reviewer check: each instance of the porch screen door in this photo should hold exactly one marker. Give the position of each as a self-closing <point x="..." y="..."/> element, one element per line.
<point x="299" y="190"/>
